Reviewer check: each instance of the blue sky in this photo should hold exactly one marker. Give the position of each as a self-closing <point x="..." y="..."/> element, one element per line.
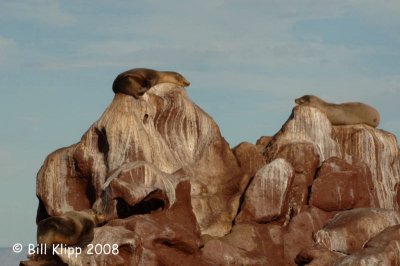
<point x="247" y="61"/>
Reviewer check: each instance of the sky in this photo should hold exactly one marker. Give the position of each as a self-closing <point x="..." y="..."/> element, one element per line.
<point x="247" y="60"/>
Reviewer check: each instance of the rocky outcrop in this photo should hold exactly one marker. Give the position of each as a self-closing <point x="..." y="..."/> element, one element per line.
<point x="317" y="256"/>
<point x="383" y="248"/>
<point x="170" y="190"/>
<point x="349" y="162"/>
<point x="249" y="157"/>
<point x="132" y="159"/>
<point x="300" y="232"/>
<point x="378" y="149"/>
<point x="247" y="244"/>
<point x="140" y="146"/>
<point x="160" y="238"/>
<point x="353" y="186"/>
<point x="263" y="142"/>
<point x="348" y="231"/>
<point x="270" y="185"/>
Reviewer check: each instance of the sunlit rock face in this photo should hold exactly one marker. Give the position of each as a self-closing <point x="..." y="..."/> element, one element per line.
<point x="353" y="186"/>
<point x="348" y="231"/>
<point x="265" y="199"/>
<point x="355" y="144"/>
<point x="172" y="192"/>
<point x="142" y="146"/>
<point x="336" y="168"/>
<point x="249" y="158"/>
<point x="378" y="149"/>
<point x="383" y="249"/>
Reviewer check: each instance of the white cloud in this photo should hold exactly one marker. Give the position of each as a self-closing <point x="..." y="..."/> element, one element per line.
<point x="251" y="33"/>
<point x="46" y="12"/>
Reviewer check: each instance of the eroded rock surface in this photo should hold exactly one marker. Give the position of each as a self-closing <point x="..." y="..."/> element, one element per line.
<point x="173" y="192"/>
<point x="249" y="157"/>
<point x="353" y="186"/>
<point x="266" y="198"/>
<point x="349" y="230"/>
<point x="300" y="232"/>
<point x="163" y="128"/>
<point x="247" y="244"/>
<point x="383" y="248"/>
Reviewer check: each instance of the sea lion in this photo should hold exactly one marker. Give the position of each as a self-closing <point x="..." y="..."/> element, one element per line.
<point x="71" y="228"/>
<point x="137" y="81"/>
<point x="343" y="114"/>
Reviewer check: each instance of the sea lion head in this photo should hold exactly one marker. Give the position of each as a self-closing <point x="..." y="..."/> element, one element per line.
<point x="307" y="100"/>
<point x="182" y="80"/>
<point x="99" y="218"/>
<point x="178" y="78"/>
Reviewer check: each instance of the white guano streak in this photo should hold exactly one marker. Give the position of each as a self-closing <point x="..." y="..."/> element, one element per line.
<point x="312" y="126"/>
<point x="273" y="178"/>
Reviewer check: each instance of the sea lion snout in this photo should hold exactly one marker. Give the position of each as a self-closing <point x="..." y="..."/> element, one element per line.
<point x="178" y="78"/>
<point x="185" y="82"/>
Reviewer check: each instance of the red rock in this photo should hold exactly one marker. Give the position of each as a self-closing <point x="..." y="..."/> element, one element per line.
<point x="43" y="260"/>
<point x="348" y="231"/>
<point x="58" y="185"/>
<point x="305" y="125"/>
<point x="383" y="248"/>
<point x="341" y="186"/>
<point x="378" y="150"/>
<point x="304" y="159"/>
<point x="397" y="188"/>
<point x="385" y="255"/>
<point x="384" y="237"/>
<point x="249" y="158"/>
<point x="262" y="143"/>
<point x="136" y="162"/>
<point x="167" y="237"/>
<point x="137" y="188"/>
<point x="175" y="135"/>
<point x="317" y="256"/>
<point x="300" y="232"/>
<point x="247" y="244"/>
<point x="266" y="197"/>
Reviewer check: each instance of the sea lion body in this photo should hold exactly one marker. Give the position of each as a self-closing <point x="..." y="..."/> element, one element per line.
<point x="343" y="114"/>
<point x="71" y="228"/>
<point x="137" y="81"/>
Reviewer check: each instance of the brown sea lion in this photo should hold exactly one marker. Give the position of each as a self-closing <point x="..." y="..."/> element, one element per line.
<point x="137" y="81"/>
<point x="343" y="114"/>
<point x="71" y="228"/>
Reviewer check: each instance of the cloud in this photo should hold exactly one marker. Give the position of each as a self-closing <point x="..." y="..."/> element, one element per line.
<point x="8" y="51"/>
<point x="217" y="34"/>
<point x="46" y="12"/>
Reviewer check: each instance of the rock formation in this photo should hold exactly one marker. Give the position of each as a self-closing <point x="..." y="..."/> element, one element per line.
<point x="172" y="192"/>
